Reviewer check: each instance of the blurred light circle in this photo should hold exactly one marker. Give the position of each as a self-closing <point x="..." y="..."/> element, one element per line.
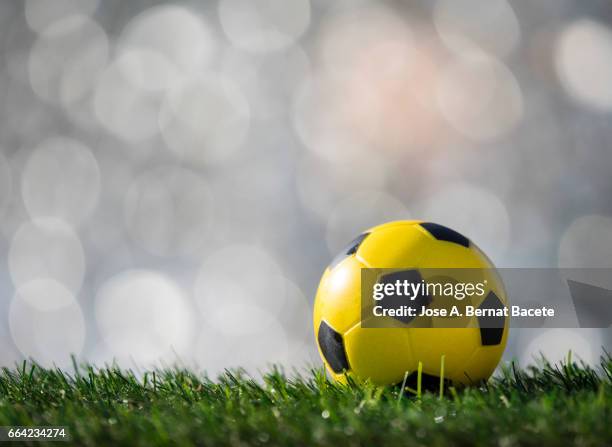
<point x="147" y="69"/>
<point x="303" y="355"/>
<point x="587" y="243"/>
<point x="166" y="42"/>
<point x="295" y="315"/>
<point x="384" y="82"/>
<point x="480" y="97"/>
<point x="41" y="13"/>
<point x="583" y="60"/>
<point x="321" y="184"/>
<point x="333" y="123"/>
<point x="67" y="58"/>
<point x="205" y="120"/>
<point x="47" y="248"/>
<point x="169" y="211"/>
<point x="144" y="316"/>
<point x="264" y="25"/>
<point x="82" y="70"/>
<point x="240" y="289"/>
<point x="233" y="311"/>
<point x="356" y="213"/>
<point x="125" y="109"/>
<point x="284" y="71"/>
<point x="9" y="356"/>
<point x="555" y="345"/>
<point x="348" y="36"/>
<point x="61" y="179"/>
<point x="473" y="211"/>
<point x="118" y="173"/>
<point x="488" y="24"/>
<point x="240" y="67"/>
<point x="259" y="190"/>
<point x="16" y="51"/>
<point x="375" y="86"/>
<point x="6" y="184"/>
<point x="45" y="294"/>
<point x="47" y="323"/>
<point x="402" y="82"/>
<point x="267" y="80"/>
<point x="255" y="352"/>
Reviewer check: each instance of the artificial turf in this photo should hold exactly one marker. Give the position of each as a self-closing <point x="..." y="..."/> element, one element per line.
<point x="563" y="404"/>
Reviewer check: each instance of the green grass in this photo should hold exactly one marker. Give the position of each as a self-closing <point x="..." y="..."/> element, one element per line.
<point x="564" y="404"/>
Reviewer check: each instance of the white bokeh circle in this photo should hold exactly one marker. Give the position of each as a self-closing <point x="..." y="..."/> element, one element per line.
<point x="583" y="60"/>
<point x="255" y="352"/>
<point x="480" y="97"/>
<point x="167" y="42"/>
<point x="359" y="211"/>
<point x="374" y="86"/>
<point x="143" y="316"/>
<point x="67" y="58"/>
<point x="476" y="212"/>
<point x="41" y="13"/>
<point x="488" y="24"/>
<point x="61" y="179"/>
<point x="148" y="70"/>
<point x="9" y="355"/>
<point x="47" y="248"/>
<point x="295" y="316"/>
<point x="125" y="108"/>
<point x="587" y="243"/>
<point x="556" y="344"/>
<point x="265" y="25"/>
<point x="333" y="122"/>
<point x="205" y="120"/>
<point x="240" y="289"/>
<point x="321" y="184"/>
<point x="46" y="323"/>
<point x="6" y="184"/>
<point x="169" y="211"/>
<point x="350" y="35"/>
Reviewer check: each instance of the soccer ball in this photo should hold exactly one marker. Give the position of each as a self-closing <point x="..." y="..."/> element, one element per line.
<point x="391" y="355"/>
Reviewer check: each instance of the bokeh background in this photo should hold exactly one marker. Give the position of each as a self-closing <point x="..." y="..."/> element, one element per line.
<point x="174" y="177"/>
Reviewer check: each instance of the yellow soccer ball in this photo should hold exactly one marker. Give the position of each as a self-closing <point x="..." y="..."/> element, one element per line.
<point x="388" y="355"/>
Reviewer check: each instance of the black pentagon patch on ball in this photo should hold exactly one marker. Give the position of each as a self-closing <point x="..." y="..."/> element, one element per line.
<point x="332" y="347"/>
<point x="491" y="327"/>
<point x="442" y="233"/>
<point x="350" y="249"/>
<point x="396" y="302"/>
